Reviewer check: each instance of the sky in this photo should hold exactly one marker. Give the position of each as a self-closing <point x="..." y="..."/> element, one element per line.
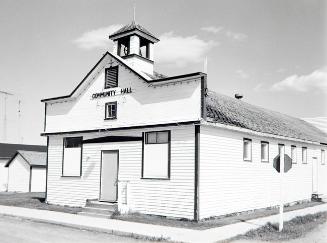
<point x="271" y="51"/>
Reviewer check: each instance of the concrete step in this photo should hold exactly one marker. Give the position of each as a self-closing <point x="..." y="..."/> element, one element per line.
<point x="102" y="205"/>
<point x="96" y="215"/>
<point x="99" y="210"/>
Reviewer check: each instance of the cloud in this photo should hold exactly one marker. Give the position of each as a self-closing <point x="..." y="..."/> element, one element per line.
<point x="236" y="36"/>
<point x="317" y="80"/>
<point x="259" y="87"/>
<point x="212" y="29"/>
<point x="181" y="50"/>
<point x="242" y="74"/>
<point x="228" y="33"/>
<point x="97" y="38"/>
<point x="172" y="48"/>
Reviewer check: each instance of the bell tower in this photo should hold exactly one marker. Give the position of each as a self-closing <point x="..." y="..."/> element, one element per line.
<point x="135" y="44"/>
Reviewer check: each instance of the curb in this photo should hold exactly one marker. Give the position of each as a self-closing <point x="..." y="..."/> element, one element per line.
<point x="148" y="231"/>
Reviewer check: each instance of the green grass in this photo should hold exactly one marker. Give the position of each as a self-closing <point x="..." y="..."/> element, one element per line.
<point x="293" y="229"/>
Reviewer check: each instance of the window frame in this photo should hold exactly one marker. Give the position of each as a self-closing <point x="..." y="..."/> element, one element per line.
<point x="267" y="143"/>
<point x="294" y="147"/>
<point x="63" y="156"/>
<point x="156" y="132"/>
<point x="169" y="155"/>
<point x="106" y="110"/>
<point x="323" y="161"/>
<point x="306" y="155"/>
<point x="246" y="159"/>
<point x="105" y="77"/>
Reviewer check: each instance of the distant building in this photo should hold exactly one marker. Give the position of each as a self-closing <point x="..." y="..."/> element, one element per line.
<point x="27" y="171"/>
<point x="7" y="152"/>
<point x="144" y="142"/>
<point x="319" y="122"/>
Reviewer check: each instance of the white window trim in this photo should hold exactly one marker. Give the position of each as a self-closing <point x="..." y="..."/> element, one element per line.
<point x="295" y="148"/>
<point x="143" y="176"/>
<point x="264" y="160"/>
<point x="63" y="174"/>
<point x="304" y="160"/>
<point x="250" y="158"/>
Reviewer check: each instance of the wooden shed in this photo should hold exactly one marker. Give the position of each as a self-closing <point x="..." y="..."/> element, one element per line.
<point x="27" y="172"/>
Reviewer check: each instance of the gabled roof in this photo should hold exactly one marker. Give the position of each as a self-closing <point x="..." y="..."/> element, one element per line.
<point x="33" y="158"/>
<point x="8" y="150"/>
<point x="230" y="111"/>
<point x="132" y="27"/>
<point x="156" y="77"/>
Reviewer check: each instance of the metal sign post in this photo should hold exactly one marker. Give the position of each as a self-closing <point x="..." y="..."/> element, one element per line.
<point x="282" y="164"/>
<point x="281" y="203"/>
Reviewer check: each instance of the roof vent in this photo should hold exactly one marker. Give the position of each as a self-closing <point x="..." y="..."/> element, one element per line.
<point x="238" y="96"/>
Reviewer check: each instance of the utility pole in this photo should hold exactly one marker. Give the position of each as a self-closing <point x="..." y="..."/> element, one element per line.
<point x="6" y="94"/>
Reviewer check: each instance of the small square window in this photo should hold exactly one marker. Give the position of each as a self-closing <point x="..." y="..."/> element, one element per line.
<point x="293" y="154"/>
<point x="157" y="137"/>
<point x="111" y="77"/>
<point x="111" y="110"/>
<point x="162" y="137"/>
<point x="264" y="152"/>
<point x="323" y="157"/>
<point x="151" y="138"/>
<point x="247" y="149"/>
<point x="304" y="155"/>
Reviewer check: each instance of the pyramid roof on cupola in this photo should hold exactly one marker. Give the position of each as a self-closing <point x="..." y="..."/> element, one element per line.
<point x="133" y="27"/>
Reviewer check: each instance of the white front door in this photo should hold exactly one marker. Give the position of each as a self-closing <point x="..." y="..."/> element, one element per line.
<point x="109" y="176"/>
<point x="314" y="175"/>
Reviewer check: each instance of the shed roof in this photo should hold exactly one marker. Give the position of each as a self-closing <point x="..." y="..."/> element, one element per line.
<point x="33" y="158"/>
<point x="8" y="150"/>
<point x="230" y="111"/>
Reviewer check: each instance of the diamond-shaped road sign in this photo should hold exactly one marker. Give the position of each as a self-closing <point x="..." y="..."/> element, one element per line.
<point x="287" y="164"/>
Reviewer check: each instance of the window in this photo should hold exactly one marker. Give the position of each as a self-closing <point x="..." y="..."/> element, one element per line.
<point x="293" y="154"/>
<point x="111" y="77"/>
<point x="281" y="149"/>
<point x="304" y="155"/>
<point x="72" y="156"/>
<point x="111" y="110"/>
<point x="323" y="157"/>
<point x="264" y="152"/>
<point x="156" y="155"/>
<point x="247" y="149"/>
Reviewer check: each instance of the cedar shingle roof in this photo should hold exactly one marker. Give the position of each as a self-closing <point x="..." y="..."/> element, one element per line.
<point x="130" y="27"/>
<point x="230" y="111"/>
<point x="33" y="158"/>
<point x="8" y="150"/>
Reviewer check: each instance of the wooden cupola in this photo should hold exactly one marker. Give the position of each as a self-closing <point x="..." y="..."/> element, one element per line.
<point x="135" y="44"/>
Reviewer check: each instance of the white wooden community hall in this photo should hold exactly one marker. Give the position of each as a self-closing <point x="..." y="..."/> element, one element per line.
<point x="167" y="146"/>
<point x="8" y="152"/>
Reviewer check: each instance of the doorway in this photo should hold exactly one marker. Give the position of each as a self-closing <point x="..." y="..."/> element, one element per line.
<point x="314" y="175"/>
<point x="109" y="176"/>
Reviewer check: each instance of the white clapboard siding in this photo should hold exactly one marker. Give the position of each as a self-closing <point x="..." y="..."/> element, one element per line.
<point x="3" y="175"/>
<point x="228" y="184"/>
<point x="147" y="104"/>
<point x="38" y="180"/>
<point x="18" y="175"/>
<point x="174" y="197"/>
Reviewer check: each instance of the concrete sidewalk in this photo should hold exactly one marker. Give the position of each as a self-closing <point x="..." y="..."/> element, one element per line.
<point x="119" y="227"/>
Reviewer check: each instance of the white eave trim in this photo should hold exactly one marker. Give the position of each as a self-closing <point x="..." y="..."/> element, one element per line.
<point x="251" y="132"/>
